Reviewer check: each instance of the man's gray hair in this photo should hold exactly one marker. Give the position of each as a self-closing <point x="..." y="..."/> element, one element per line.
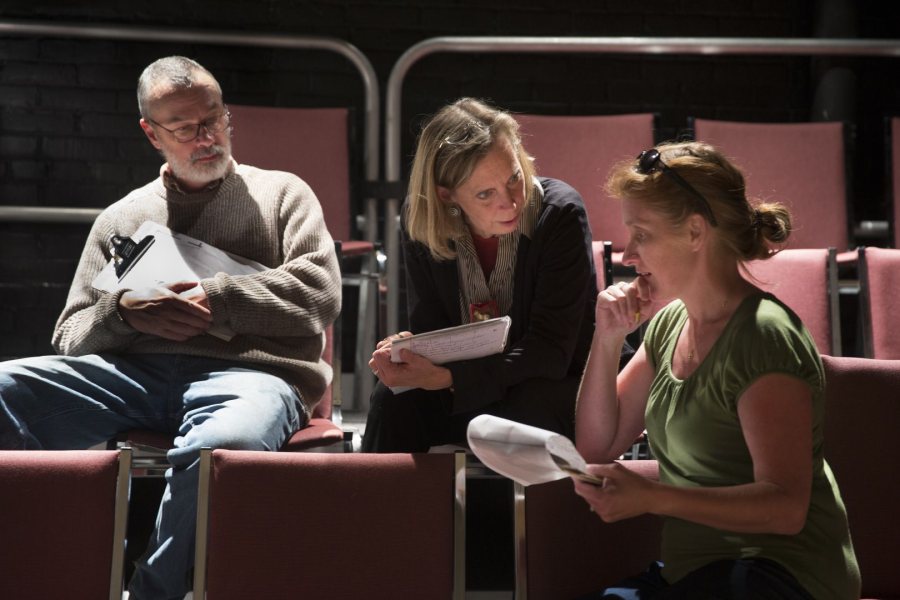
<point x="177" y="71"/>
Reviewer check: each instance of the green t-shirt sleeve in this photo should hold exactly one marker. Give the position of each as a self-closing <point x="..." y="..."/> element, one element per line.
<point x="771" y="340"/>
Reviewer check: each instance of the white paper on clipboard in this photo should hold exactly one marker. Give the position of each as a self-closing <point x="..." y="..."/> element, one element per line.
<point x="175" y="257"/>
<point x="473" y="340"/>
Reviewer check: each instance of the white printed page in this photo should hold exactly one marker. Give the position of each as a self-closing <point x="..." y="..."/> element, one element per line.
<point x="525" y="464"/>
<point x="176" y="257"/>
<point x="515" y="450"/>
<point x="457" y="343"/>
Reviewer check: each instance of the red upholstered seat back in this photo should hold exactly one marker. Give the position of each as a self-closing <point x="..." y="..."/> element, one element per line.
<point x="862" y="418"/>
<point x="56" y="523"/>
<point x="292" y="525"/>
<point x="799" y="164"/>
<point x="312" y="143"/>
<point x="320" y="430"/>
<point x="581" y="150"/>
<point x="323" y="408"/>
<point x="881" y="293"/>
<point x="570" y="551"/>
<point x="799" y="278"/>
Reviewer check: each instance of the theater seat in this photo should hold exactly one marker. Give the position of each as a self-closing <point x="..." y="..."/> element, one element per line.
<point x="63" y="516"/>
<point x="862" y="418"/>
<point x="323" y="432"/>
<point x="315" y="144"/>
<point x="563" y="550"/>
<point x="321" y="526"/>
<point x="581" y="150"/>
<point x="803" y="165"/>
<point x="805" y="280"/>
<point x="879" y="280"/>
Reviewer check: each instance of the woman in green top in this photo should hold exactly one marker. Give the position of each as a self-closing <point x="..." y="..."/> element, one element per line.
<point x="729" y="386"/>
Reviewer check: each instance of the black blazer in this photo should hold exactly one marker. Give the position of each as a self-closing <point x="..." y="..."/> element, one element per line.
<point x="552" y="311"/>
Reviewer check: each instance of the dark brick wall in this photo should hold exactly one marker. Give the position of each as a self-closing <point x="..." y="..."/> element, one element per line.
<point x="68" y="117"/>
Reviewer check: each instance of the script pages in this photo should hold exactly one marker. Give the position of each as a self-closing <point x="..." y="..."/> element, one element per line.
<point x="525" y="454"/>
<point x="464" y="342"/>
<point x="175" y="257"/>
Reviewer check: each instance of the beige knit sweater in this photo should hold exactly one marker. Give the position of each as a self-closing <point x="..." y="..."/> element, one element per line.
<point x="279" y="315"/>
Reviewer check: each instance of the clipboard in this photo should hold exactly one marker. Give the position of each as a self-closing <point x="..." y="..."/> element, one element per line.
<point x="126" y="252"/>
<point x="155" y="255"/>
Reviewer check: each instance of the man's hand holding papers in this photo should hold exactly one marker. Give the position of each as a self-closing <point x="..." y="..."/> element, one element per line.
<point x="165" y="297"/>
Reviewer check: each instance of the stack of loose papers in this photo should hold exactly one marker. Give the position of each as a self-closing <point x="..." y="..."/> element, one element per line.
<point x="473" y="340"/>
<point x="524" y="453"/>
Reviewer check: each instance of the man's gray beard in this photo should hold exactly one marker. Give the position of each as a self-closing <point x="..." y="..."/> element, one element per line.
<point x="199" y="174"/>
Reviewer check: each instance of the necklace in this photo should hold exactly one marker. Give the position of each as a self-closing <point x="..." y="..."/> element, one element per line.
<point x="690" y="353"/>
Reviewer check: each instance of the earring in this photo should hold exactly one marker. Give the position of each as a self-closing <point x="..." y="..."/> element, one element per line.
<point x="454" y="211"/>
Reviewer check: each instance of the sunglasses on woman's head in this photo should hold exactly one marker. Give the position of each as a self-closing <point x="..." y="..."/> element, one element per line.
<point x="650" y="160"/>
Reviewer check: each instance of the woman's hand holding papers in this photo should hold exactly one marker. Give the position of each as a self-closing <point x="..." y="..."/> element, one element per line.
<point x="161" y="311"/>
<point x="415" y="371"/>
<point x="389" y="339"/>
<point x="624" y="494"/>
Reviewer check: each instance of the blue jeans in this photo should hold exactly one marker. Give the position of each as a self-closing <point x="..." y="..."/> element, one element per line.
<point x="56" y="402"/>
<point x="742" y="579"/>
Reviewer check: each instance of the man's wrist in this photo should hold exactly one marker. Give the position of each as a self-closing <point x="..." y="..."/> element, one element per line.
<point x="118" y="317"/>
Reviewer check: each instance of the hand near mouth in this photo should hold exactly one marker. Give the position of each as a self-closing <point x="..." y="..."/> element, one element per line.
<point x="623" y="307"/>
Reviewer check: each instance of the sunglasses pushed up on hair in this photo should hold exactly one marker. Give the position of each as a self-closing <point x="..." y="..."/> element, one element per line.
<point x="650" y="160"/>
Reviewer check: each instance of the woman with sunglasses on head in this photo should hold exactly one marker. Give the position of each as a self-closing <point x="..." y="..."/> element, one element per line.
<point x="729" y="386"/>
<point x="483" y="237"/>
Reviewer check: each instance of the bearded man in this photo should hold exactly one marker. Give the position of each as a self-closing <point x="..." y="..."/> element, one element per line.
<point x="143" y="358"/>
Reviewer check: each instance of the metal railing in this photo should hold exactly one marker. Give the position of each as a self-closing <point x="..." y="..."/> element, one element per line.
<point x="574" y="45"/>
<point x="393" y="100"/>
<point x="371" y="156"/>
<point x="49" y="214"/>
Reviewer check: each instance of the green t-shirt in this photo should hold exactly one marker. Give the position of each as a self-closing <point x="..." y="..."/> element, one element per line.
<point x="696" y="436"/>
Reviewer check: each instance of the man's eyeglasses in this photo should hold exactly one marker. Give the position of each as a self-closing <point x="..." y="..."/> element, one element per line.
<point x="189" y="133"/>
<point x="650" y="160"/>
